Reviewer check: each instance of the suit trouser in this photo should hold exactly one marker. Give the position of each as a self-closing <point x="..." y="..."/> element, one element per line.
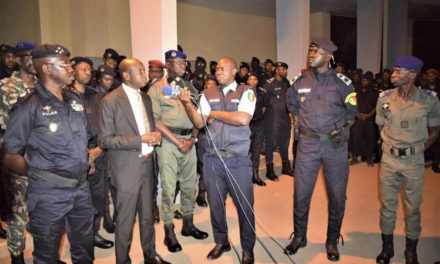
<point x="394" y="173"/>
<point x="311" y="154"/>
<point x="218" y="185"/>
<point x="138" y="200"/>
<point x="99" y="191"/>
<point x="277" y="131"/>
<point x="53" y="208"/>
<point x="175" y="166"/>
<point x="17" y="222"/>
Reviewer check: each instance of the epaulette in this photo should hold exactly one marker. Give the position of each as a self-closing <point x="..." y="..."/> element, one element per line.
<point x="344" y="78"/>
<point x="262" y="89"/>
<point x="270" y="80"/>
<point x="296" y="78"/>
<point x="430" y="92"/>
<point x="385" y="93"/>
<point x="71" y="90"/>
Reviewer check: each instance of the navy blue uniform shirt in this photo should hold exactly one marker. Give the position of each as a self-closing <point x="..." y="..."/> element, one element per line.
<point x="276" y="95"/>
<point x="322" y="100"/>
<point x="53" y="134"/>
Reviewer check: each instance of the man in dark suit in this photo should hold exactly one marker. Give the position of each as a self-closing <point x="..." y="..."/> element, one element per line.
<point x="127" y="131"/>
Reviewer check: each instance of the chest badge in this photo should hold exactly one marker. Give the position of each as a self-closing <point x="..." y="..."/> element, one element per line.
<point x="77" y="107"/>
<point x="53" y="127"/>
<point x="404" y="124"/>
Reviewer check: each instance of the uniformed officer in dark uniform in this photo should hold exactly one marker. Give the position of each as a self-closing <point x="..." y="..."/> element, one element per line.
<point x="269" y="70"/>
<point x="228" y="111"/>
<point x="324" y="104"/>
<point x="198" y="80"/>
<point x="212" y="67"/>
<point x="277" y="121"/>
<point x="257" y="128"/>
<point x="50" y="127"/>
<point x="97" y="157"/>
<point x="7" y="61"/>
<point x="200" y="64"/>
<point x="111" y="58"/>
<point x="241" y="75"/>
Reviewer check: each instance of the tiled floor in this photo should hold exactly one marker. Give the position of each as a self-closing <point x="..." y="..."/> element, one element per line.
<point x="274" y="210"/>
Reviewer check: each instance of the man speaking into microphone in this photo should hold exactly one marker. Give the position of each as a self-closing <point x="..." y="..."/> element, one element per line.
<point x="176" y="156"/>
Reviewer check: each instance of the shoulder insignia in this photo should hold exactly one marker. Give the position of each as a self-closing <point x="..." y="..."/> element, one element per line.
<point x="270" y="80"/>
<point x="344" y="78"/>
<point x="262" y="89"/>
<point x="296" y="78"/>
<point x="430" y="92"/>
<point x="385" y="93"/>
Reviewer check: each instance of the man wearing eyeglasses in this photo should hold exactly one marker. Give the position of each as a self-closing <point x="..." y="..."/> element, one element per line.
<point x="50" y="126"/>
<point x="176" y="156"/>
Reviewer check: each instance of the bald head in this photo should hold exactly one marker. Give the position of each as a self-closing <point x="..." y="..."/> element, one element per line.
<point x="133" y="73"/>
<point x="225" y="71"/>
<point x="229" y="61"/>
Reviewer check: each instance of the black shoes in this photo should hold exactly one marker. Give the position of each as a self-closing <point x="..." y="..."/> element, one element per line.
<point x="170" y="239"/>
<point x="178" y="215"/>
<point x="218" y="250"/>
<point x="411" y="251"/>
<point x="295" y="244"/>
<point x="108" y="224"/>
<point x="270" y="173"/>
<point x="248" y="258"/>
<point x="286" y="169"/>
<point x="99" y="241"/>
<point x="332" y="251"/>
<point x="188" y="229"/>
<point x="256" y="179"/>
<point x="156" y="260"/>
<point x="201" y="200"/>
<point x="17" y="259"/>
<point x="387" y="250"/>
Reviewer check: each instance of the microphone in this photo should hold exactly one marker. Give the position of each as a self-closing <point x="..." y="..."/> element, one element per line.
<point x="173" y="89"/>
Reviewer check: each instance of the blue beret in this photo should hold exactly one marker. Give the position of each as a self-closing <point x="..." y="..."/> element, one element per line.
<point x="409" y="62"/>
<point x="23" y="45"/>
<point x="105" y="69"/>
<point x="77" y="60"/>
<point x="324" y="44"/>
<point x="111" y="54"/>
<point x="244" y="65"/>
<point x="6" y="48"/>
<point x="281" y="64"/>
<point x="49" y="50"/>
<point x="174" y="54"/>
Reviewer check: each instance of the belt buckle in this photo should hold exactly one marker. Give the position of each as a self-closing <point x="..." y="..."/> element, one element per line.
<point x="402" y="152"/>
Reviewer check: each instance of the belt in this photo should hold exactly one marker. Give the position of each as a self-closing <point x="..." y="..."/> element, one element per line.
<point x="311" y="134"/>
<point x="223" y="154"/>
<point x="401" y="152"/>
<point x="145" y="157"/>
<point x="57" y="179"/>
<point x="180" y="131"/>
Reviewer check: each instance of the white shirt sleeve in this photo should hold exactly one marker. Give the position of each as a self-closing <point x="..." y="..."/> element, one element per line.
<point x="247" y="102"/>
<point x="204" y="107"/>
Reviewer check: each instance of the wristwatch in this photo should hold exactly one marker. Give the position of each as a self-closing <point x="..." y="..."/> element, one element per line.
<point x="196" y="140"/>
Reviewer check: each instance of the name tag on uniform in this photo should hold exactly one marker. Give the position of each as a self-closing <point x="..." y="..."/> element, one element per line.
<point x="49" y="113"/>
<point x="235" y="101"/>
<point x="304" y="90"/>
<point x="214" y="100"/>
<point x="404" y="124"/>
<point x="278" y="88"/>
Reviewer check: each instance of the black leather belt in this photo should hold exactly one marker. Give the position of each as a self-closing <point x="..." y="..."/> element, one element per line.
<point x="57" y="179"/>
<point x="401" y="152"/>
<point x="311" y="134"/>
<point x="180" y="131"/>
<point x="223" y="154"/>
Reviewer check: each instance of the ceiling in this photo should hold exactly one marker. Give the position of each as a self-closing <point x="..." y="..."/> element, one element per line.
<point x="418" y="9"/>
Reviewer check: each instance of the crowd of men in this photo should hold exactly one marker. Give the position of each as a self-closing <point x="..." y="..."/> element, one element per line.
<point x="71" y="135"/>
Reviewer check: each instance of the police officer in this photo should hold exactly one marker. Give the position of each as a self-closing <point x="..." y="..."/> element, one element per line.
<point x="241" y="75"/>
<point x="200" y="63"/>
<point x="82" y="67"/>
<point x="176" y="156"/>
<point x="257" y="128"/>
<point x="7" y="61"/>
<point x="212" y="67"/>
<point x="228" y="112"/>
<point x="269" y="70"/>
<point x="20" y="84"/>
<point x="277" y="121"/>
<point x="198" y="80"/>
<point x="322" y="101"/>
<point x="409" y="121"/>
<point x="112" y="58"/>
<point x="50" y="127"/>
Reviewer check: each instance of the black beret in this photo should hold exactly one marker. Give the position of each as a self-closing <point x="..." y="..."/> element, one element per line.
<point x="49" y="50"/>
<point x="112" y="54"/>
<point x="269" y="61"/>
<point x="105" y="69"/>
<point x="281" y="64"/>
<point x="244" y="65"/>
<point x="199" y="73"/>
<point x="200" y="59"/>
<point x="324" y="43"/>
<point x="6" y="48"/>
<point x="77" y="60"/>
<point x="210" y="77"/>
<point x="255" y="60"/>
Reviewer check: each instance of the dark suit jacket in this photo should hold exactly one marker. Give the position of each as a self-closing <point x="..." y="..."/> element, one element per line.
<point x="119" y="134"/>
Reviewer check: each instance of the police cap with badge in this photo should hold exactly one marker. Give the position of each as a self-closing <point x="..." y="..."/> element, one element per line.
<point x="244" y="65"/>
<point x="281" y="64"/>
<point x="324" y="43"/>
<point x="106" y="70"/>
<point x="269" y="61"/>
<point x="6" y="49"/>
<point x="23" y="47"/>
<point x="174" y="54"/>
<point x="111" y="54"/>
<point x="49" y="50"/>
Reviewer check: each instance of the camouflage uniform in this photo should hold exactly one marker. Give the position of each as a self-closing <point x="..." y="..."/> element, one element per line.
<point x="11" y="89"/>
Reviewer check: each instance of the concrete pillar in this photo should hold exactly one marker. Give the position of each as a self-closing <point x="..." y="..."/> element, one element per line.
<point x="293" y="33"/>
<point x="153" y="28"/>
<point x="395" y="31"/>
<point x="369" y="34"/>
<point x="320" y="25"/>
